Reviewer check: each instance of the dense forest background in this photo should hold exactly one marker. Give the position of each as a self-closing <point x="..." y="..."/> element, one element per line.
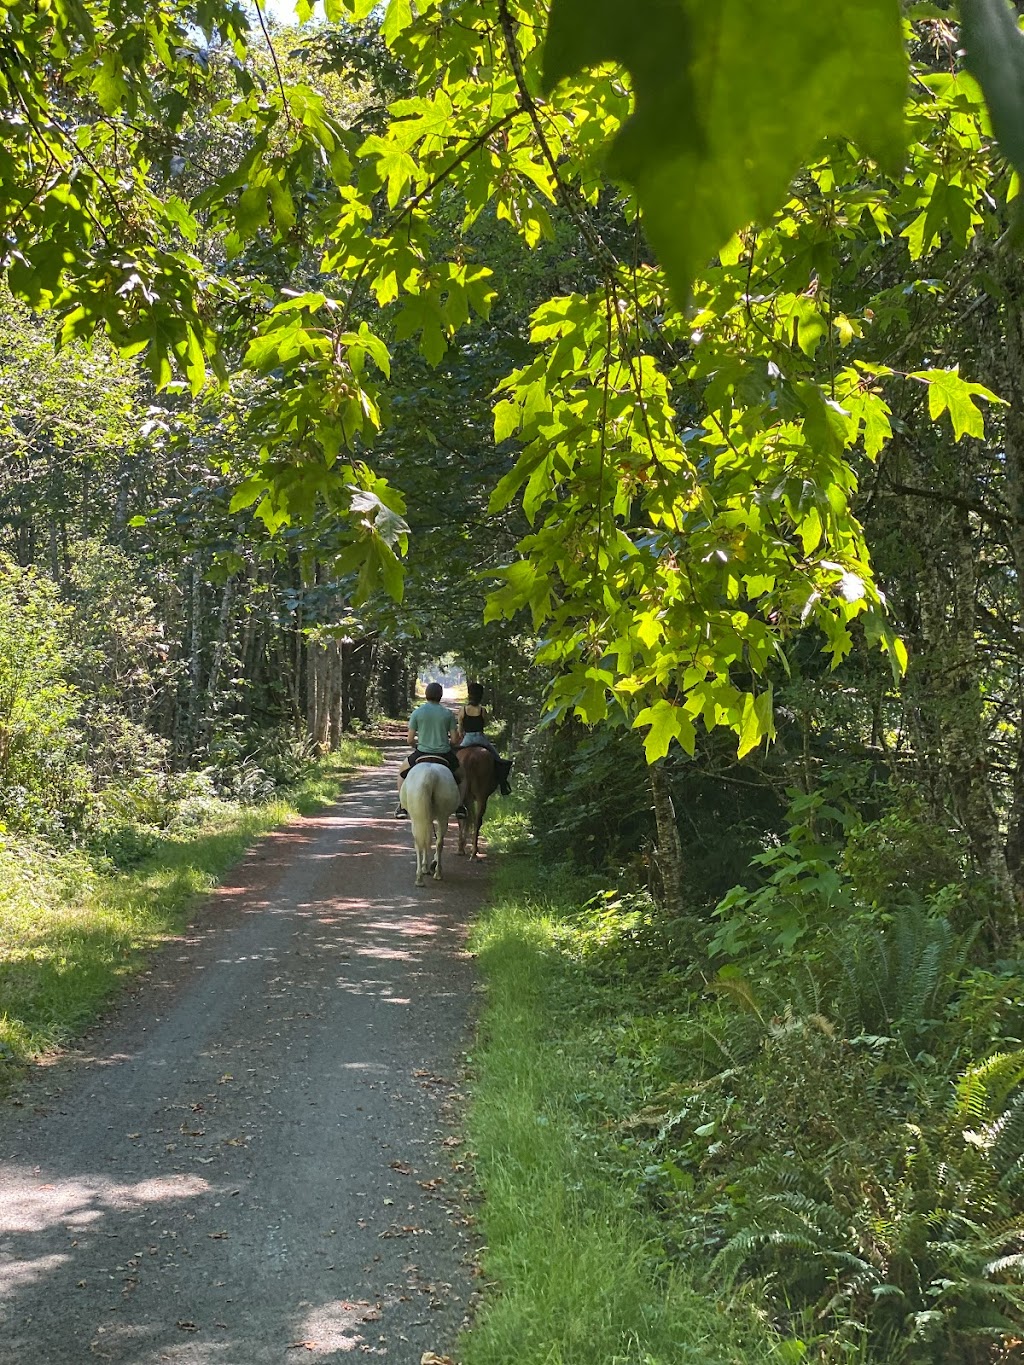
<point x="741" y="574"/>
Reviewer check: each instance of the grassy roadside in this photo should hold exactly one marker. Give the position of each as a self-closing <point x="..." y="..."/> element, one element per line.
<point x="579" y="1272"/>
<point x="70" y="935"/>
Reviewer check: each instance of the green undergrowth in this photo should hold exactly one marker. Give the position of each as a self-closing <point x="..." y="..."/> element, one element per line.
<point x="74" y="926"/>
<point x="578" y="1269"/>
<point x="806" y="1154"/>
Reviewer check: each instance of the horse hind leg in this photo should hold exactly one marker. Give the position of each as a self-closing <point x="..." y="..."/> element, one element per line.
<point x="422" y="841"/>
<point x="478" y="820"/>
<point x="436" y="867"/>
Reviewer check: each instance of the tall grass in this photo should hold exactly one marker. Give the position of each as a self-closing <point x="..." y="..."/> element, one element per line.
<point x="69" y="935"/>
<point x="578" y="1274"/>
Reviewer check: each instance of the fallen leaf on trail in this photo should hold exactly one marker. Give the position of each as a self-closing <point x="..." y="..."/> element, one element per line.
<point x="236" y="1142"/>
<point x="134" y="1135"/>
<point x="304" y="1346"/>
<point x="216" y="1236"/>
<point x="434" y="1184"/>
<point x="401" y="1166"/>
<point x="192" y="1132"/>
<point x="429" y="1358"/>
<point x="452" y="1142"/>
<point x="188" y="1326"/>
<point x="225" y="1078"/>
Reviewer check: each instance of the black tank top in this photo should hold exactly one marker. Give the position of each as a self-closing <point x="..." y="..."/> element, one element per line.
<point x="472" y="725"/>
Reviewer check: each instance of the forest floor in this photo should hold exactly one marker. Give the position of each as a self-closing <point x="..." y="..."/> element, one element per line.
<point x="256" y="1156"/>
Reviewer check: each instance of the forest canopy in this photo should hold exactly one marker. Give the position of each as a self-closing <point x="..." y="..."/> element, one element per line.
<point x="299" y="246"/>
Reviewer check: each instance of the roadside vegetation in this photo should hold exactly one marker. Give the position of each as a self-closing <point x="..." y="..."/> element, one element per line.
<point x="578" y="1265"/>
<point x="75" y="925"/>
<point x="746" y="1136"/>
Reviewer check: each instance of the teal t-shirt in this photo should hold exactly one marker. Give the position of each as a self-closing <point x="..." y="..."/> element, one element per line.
<point x="433" y="725"/>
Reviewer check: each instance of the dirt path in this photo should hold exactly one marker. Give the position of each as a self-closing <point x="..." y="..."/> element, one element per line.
<point x="255" y="1159"/>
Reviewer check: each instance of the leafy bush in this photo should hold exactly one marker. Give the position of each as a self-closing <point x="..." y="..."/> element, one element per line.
<point x="802" y="890"/>
<point x="903" y="858"/>
<point x="43" y="785"/>
<point x="248" y="766"/>
<point x="592" y="801"/>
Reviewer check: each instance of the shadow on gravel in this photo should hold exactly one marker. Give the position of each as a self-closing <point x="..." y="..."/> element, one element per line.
<point x="252" y="1163"/>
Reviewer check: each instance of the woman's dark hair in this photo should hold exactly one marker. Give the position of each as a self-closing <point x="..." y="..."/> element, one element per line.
<point x="475" y="693"/>
<point x="434" y="691"/>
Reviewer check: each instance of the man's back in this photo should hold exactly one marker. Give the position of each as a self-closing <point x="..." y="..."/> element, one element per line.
<point x="432" y="724"/>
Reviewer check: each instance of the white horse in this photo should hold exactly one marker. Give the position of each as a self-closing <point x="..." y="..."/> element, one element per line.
<point x="430" y="794"/>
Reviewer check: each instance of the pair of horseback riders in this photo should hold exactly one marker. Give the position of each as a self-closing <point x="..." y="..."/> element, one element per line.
<point x="431" y="727"/>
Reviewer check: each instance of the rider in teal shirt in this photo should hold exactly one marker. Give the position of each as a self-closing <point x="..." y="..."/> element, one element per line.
<point x="430" y="730"/>
<point x="432" y="726"/>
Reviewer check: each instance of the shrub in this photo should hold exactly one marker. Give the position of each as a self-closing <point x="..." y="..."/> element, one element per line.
<point x="43" y="786"/>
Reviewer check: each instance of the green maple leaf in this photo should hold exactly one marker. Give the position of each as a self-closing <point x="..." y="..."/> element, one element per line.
<point x="731" y="99"/>
<point x="947" y="392"/>
<point x="667" y="722"/>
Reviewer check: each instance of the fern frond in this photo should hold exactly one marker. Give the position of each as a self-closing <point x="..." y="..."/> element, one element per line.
<point x="738" y="989"/>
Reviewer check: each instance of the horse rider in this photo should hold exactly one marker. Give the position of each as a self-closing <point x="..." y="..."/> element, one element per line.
<point x="430" y="734"/>
<point x="472" y="720"/>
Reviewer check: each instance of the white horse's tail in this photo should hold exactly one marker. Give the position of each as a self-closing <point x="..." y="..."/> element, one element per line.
<point x="430" y="794"/>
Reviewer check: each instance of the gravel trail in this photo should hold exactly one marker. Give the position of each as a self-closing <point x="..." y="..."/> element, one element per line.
<point x="255" y="1158"/>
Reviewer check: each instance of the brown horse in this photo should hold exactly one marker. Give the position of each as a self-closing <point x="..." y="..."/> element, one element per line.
<point x="481" y="774"/>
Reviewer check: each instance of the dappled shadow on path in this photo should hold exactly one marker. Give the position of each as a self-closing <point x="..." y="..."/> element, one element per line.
<point x="248" y="1163"/>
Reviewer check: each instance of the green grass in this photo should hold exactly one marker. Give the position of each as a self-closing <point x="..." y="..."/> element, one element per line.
<point x="69" y="936"/>
<point x="578" y="1274"/>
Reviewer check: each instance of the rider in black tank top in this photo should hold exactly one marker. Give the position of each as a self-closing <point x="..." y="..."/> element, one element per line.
<point x="472" y="728"/>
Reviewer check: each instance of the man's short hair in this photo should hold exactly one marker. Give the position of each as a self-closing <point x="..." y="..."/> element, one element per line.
<point x="434" y="692"/>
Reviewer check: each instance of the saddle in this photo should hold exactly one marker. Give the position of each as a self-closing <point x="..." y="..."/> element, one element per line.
<point x="443" y="759"/>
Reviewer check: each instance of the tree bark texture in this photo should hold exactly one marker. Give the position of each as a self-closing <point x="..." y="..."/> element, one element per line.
<point x="669" y="852"/>
<point x="943" y="684"/>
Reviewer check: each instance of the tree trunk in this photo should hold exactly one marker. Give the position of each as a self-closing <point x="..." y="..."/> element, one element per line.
<point x="320" y="687"/>
<point x="1005" y="363"/>
<point x="220" y="645"/>
<point x="357" y="657"/>
<point x="335" y="691"/>
<point x="943" y="683"/>
<point x="669" y="854"/>
<point x="194" y="706"/>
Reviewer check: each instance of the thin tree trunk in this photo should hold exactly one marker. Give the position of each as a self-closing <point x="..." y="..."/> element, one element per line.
<point x="943" y="683"/>
<point x="220" y="644"/>
<point x="322" y="699"/>
<point x="193" y="709"/>
<point x="669" y="854"/>
<point x="335" y="688"/>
